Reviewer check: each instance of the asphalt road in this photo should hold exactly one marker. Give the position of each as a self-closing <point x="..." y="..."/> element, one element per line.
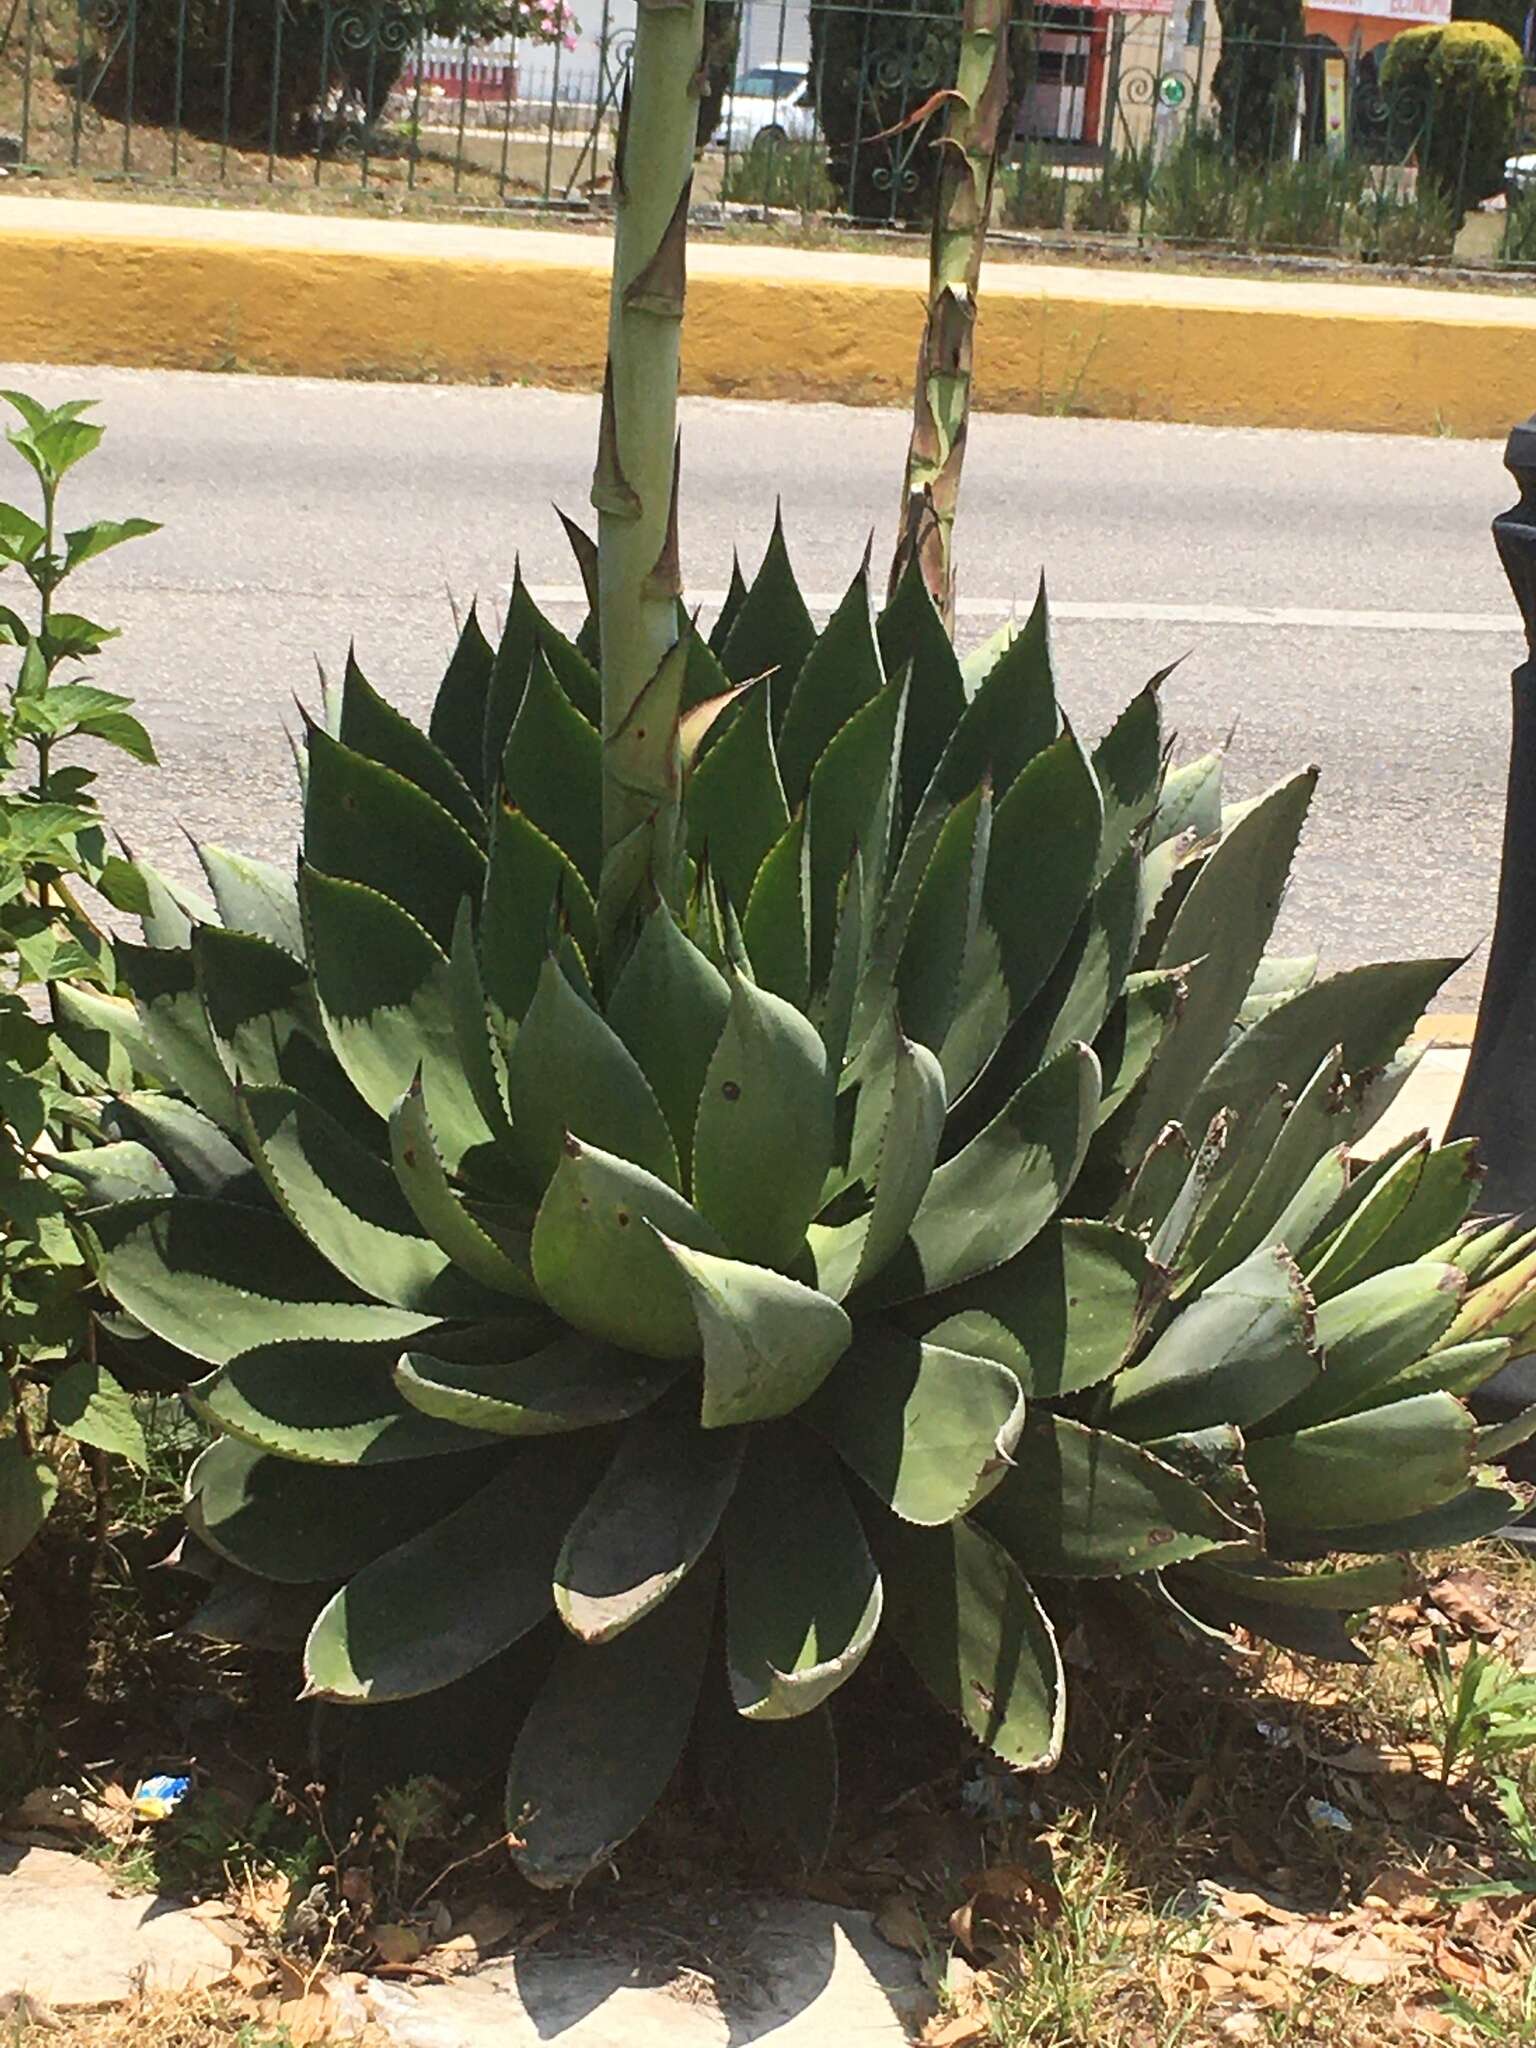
<point x="1337" y="597"/>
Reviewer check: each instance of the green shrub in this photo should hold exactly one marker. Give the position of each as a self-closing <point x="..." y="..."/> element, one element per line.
<point x="1467" y="79"/>
<point x="1113" y="202"/>
<point x="1306" y="204"/>
<point x="778" y="173"/>
<point x="1404" y="228"/>
<point x="896" y="1246"/>
<point x="1519" y="243"/>
<point x="1033" y="193"/>
<point x="1198" y="190"/>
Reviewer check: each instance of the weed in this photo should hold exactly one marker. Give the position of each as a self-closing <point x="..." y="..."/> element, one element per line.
<point x="774" y="172"/>
<point x="1485" y="1710"/>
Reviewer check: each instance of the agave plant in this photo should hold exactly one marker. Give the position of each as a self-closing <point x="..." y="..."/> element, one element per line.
<point x="939" y="1198"/>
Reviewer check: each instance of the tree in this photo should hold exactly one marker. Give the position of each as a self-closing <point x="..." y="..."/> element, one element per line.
<point x="1255" y="77"/>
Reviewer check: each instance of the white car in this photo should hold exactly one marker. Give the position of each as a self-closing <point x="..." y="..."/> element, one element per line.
<point x="1519" y="176"/>
<point x="769" y="103"/>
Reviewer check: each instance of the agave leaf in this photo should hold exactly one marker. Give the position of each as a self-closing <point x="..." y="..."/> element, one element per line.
<point x="1318" y="1633"/>
<point x="834" y="1017"/>
<point x="974" y="1632"/>
<point x="569" y="1071"/>
<point x="521" y="631"/>
<point x="1160" y="1184"/>
<point x="1239" y="1353"/>
<point x="194" y="1151"/>
<point x="349" y="1205"/>
<point x="374" y="728"/>
<point x="802" y="1595"/>
<point x="940" y="933"/>
<point x="322" y="1404"/>
<point x="364" y="823"/>
<point x="777" y="923"/>
<point x="1171" y="1235"/>
<point x="599" y="1267"/>
<point x="254" y="896"/>
<point x="1213" y="1459"/>
<point x="1219" y="934"/>
<point x="164" y="988"/>
<point x="1459" y="1369"/>
<point x="669" y="1008"/>
<point x="841" y="673"/>
<point x="914" y="644"/>
<point x="1369" y="1333"/>
<point x="604" y="1736"/>
<point x="529" y="880"/>
<point x="1438" y="1199"/>
<point x="29" y="1486"/>
<point x="772" y="632"/>
<point x="552" y="771"/>
<point x="478" y="1047"/>
<point x="454" y="1595"/>
<point x="648" y="1522"/>
<point x="107" y="1033"/>
<point x="1061" y="1315"/>
<point x="763" y="1140"/>
<point x="736" y="810"/>
<point x="848" y="813"/>
<point x="457" y="726"/>
<point x="302" y="1524"/>
<point x="262" y="1014"/>
<point x="1497" y="1440"/>
<point x="88" y="1404"/>
<point x="441" y="1211"/>
<point x="1498" y="1307"/>
<point x="1082" y="1504"/>
<point x="120" y="1172"/>
<point x="931" y="1431"/>
<point x="1190" y="801"/>
<point x="1490" y="1503"/>
<point x="216" y="1279"/>
<point x="735" y="597"/>
<point x="768" y="1341"/>
<point x="984" y="1205"/>
<point x="1133" y="1035"/>
<point x="1012" y="717"/>
<point x="171" y="910"/>
<point x="1376" y="1192"/>
<point x="1369" y="1011"/>
<point x="568" y="1383"/>
<point x="849" y="1253"/>
<point x="1366" y="1469"/>
<point x="1128" y="767"/>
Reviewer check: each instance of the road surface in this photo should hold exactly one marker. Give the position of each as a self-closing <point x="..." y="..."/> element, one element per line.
<point x="1336" y="597"/>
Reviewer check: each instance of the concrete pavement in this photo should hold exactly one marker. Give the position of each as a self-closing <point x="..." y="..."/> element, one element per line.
<point x="1337" y="597"/>
<point x="209" y="288"/>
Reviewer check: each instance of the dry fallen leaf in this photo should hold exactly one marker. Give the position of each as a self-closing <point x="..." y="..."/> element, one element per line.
<point x="959" y="2032"/>
<point x="395" y="1944"/>
<point x="1463" y="1597"/>
<point x="1405" y="1893"/>
<point x="1013" y="1898"/>
<point x="1357" y="1955"/>
<point x="899" y="1922"/>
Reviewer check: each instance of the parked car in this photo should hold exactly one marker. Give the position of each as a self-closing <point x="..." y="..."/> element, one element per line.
<point x="770" y="103"/>
<point x="1519" y="176"/>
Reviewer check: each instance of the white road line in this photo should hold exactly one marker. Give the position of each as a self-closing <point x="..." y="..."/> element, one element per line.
<point x="1301" y="618"/>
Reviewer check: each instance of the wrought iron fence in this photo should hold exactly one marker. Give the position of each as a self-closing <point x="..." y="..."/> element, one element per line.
<point x="818" y="107"/>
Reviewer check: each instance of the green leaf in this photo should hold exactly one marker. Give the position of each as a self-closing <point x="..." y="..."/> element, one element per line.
<point x="650" y="1519"/>
<point x="322" y="1404"/>
<point x="164" y="987"/>
<point x="1489" y="1504"/>
<point x="116" y="1173"/>
<point x="1437" y="1200"/>
<point x="86" y="542"/>
<point x="1012" y="717"/>
<point x="349" y="1205"/>
<point x="940" y="933"/>
<point x="216" y="1279"/>
<point x="365" y="823"/>
<point x="1083" y="1504"/>
<point x="802" y="1595"/>
<point x="931" y="1431"/>
<point x="734" y="807"/>
<point x="1061" y="1315"/>
<point x="569" y="1383"/>
<point x="20" y="535"/>
<point x="1239" y="1353"/>
<point x="553" y="771"/>
<point x="841" y="672"/>
<point x="984" y="1205"/>
<point x="1219" y="934"/>
<point x="28" y="1490"/>
<point x="1134" y="1034"/>
<point x="508" y="679"/>
<point x="457" y="726"/>
<point x="768" y="1341"/>
<point x="978" y="1638"/>
<point x="1339" y="1589"/>
<point x="599" y="1267"/>
<point x="253" y="896"/>
<point x="89" y="1405"/>
<point x="489" y="1260"/>
<point x="372" y="727"/>
<point x="669" y="1007"/>
<point x="848" y="813"/>
<point x="200" y="1159"/>
<point x="605" y="1735"/>
<point x="772" y="632"/>
<point x="1364" y="1469"/>
<point x="1369" y="1333"/>
<point x="912" y="1130"/>
<point x="913" y="643"/>
<point x="735" y="597"/>
<point x="305" y="1524"/>
<point x="570" y="1073"/>
<point x="1128" y="767"/>
<point x="763" y="1139"/>
<point x="456" y="1594"/>
<point x="530" y="883"/>
<point x="777" y="923"/>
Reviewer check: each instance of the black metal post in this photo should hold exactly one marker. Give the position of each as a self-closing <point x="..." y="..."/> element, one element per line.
<point x="1498" y="1097"/>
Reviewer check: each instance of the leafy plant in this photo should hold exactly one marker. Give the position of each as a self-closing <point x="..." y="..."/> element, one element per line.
<point x="1196" y="190"/>
<point x="1257" y="76"/>
<point x="1519" y="243"/>
<point x="1305" y="204"/>
<point x="51" y="842"/>
<point x="780" y="173"/>
<point x="1466" y="80"/>
<point x="1486" y="1710"/>
<point x="1034" y="194"/>
<point x="1405" y="228"/>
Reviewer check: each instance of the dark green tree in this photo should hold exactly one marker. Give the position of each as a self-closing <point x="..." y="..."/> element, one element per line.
<point x="1255" y="81"/>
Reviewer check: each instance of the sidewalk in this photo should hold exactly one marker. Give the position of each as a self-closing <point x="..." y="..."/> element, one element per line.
<point x="202" y="288"/>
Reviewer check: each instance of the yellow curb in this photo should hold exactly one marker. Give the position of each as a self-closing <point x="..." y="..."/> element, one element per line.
<point x="1450" y="1029"/>
<point x="155" y="287"/>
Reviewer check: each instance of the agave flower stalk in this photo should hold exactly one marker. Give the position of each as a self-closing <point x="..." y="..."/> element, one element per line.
<point x="962" y="208"/>
<point x="634" y="488"/>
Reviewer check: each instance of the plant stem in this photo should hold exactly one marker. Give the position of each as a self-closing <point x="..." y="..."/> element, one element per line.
<point x="962" y="209"/>
<point x="634" y="487"/>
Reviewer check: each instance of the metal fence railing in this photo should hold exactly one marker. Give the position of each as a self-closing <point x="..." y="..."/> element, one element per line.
<point x="822" y="107"/>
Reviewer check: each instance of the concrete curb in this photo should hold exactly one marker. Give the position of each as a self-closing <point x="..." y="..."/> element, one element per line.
<point x="202" y="289"/>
